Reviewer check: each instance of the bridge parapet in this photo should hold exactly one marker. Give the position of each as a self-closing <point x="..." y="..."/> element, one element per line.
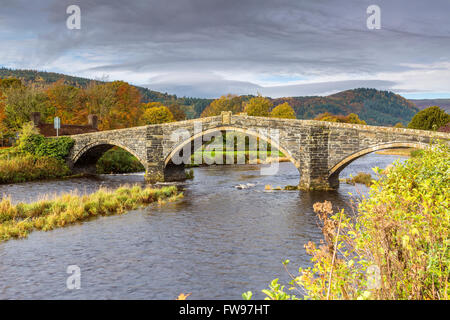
<point x="319" y="150"/>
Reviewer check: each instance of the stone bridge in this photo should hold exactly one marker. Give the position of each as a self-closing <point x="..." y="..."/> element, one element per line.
<point x="319" y="150"/>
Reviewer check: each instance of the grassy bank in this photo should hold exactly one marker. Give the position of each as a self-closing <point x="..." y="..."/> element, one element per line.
<point x="27" y="168"/>
<point x="17" y="221"/>
<point x="406" y="152"/>
<point x="34" y="157"/>
<point x="257" y="156"/>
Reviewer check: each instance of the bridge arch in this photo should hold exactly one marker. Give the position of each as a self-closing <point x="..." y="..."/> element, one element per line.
<point x="191" y="139"/>
<point x="85" y="160"/>
<point x="341" y="165"/>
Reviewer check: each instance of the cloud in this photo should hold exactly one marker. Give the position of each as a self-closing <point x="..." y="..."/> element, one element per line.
<point x="241" y="43"/>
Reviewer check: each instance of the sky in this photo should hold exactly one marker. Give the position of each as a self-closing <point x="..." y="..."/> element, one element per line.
<point x="208" y="48"/>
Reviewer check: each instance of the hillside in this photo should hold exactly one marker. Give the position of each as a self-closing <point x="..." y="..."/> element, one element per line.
<point x="444" y="104"/>
<point x="374" y="106"/>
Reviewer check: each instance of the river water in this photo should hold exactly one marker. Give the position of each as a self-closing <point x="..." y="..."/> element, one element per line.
<point x="215" y="243"/>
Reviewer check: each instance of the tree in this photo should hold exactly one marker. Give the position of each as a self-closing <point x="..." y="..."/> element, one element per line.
<point x="258" y="107"/>
<point x="431" y="118"/>
<point x="284" y="111"/>
<point x="351" y="118"/>
<point x="229" y="102"/>
<point x="21" y="102"/>
<point x="157" y="115"/>
<point x="118" y="104"/>
<point x="399" y="125"/>
<point x="126" y="111"/>
<point x="68" y="102"/>
<point x="178" y="113"/>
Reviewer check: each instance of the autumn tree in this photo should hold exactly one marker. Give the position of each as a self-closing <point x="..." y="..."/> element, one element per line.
<point x="118" y="104"/>
<point x="177" y="111"/>
<point x="258" y="107"/>
<point x="351" y="118"/>
<point x="229" y="102"/>
<point x="157" y="115"/>
<point x="283" y="110"/>
<point x="431" y="118"/>
<point x="68" y="102"/>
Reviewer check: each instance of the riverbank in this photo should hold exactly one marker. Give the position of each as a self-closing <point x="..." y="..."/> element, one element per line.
<point x="17" y="221"/>
<point x="249" y="157"/>
<point x="29" y="168"/>
<point x="407" y="152"/>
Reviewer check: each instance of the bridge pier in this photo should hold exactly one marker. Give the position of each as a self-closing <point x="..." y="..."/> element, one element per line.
<point x="318" y="183"/>
<point x="159" y="173"/>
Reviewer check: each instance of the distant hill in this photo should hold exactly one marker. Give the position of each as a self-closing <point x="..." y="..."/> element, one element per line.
<point x="374" y="106"/>
<point x="33" y="76"/>
<point x="444" y="104"/>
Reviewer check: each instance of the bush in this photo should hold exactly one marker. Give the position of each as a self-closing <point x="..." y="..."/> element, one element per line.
<point x="396" y="248"/>
<point x="361" y="177"/>
<point x="118" y="160"/>
<point x="30" y="142"/>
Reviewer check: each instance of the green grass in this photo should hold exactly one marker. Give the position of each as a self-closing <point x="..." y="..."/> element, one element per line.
<point x="210" y="155"/>
<point x="17" y="221"/>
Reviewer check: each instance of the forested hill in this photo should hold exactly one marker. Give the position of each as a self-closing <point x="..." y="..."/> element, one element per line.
<point x="33" y="76"/>
<point x="374" y="106"/>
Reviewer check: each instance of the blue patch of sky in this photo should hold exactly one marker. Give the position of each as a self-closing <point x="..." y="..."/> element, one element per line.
<point x="433" y="95"/>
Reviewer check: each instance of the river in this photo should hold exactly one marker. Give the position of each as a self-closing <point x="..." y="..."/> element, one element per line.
<point x="216" y="243"/>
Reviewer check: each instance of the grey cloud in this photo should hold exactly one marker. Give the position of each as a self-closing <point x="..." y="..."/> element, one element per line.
<point x="213" y="88"/>
<point x="305" y="38"/>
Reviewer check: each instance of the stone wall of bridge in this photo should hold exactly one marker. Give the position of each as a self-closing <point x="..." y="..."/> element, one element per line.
<point x="319" y="150"/>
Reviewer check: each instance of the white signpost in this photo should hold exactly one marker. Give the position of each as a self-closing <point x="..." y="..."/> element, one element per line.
<point x="57" y="124"/>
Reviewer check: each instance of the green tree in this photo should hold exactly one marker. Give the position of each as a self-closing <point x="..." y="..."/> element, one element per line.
<point x="431" y="118"/>
<point x="283" y="110"/>
<point x="21" y="102"/>
<point x="258" y="107"/>
<point x="157" y="115"/>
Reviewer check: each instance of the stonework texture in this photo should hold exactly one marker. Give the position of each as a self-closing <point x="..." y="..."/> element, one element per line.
<point x="320" y="150"/>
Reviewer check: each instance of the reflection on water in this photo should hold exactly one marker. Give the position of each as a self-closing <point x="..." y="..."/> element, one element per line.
<point x="217" y="242"/>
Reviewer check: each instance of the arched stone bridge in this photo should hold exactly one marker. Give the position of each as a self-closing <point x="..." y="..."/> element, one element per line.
<point x="320" y="150"/>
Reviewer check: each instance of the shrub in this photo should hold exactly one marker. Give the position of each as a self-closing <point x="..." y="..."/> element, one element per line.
<point x="117" y="160"/>
<point x="396" y="248"/>
<point x="31" y="142"/>
<point x="361" y="177"/>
